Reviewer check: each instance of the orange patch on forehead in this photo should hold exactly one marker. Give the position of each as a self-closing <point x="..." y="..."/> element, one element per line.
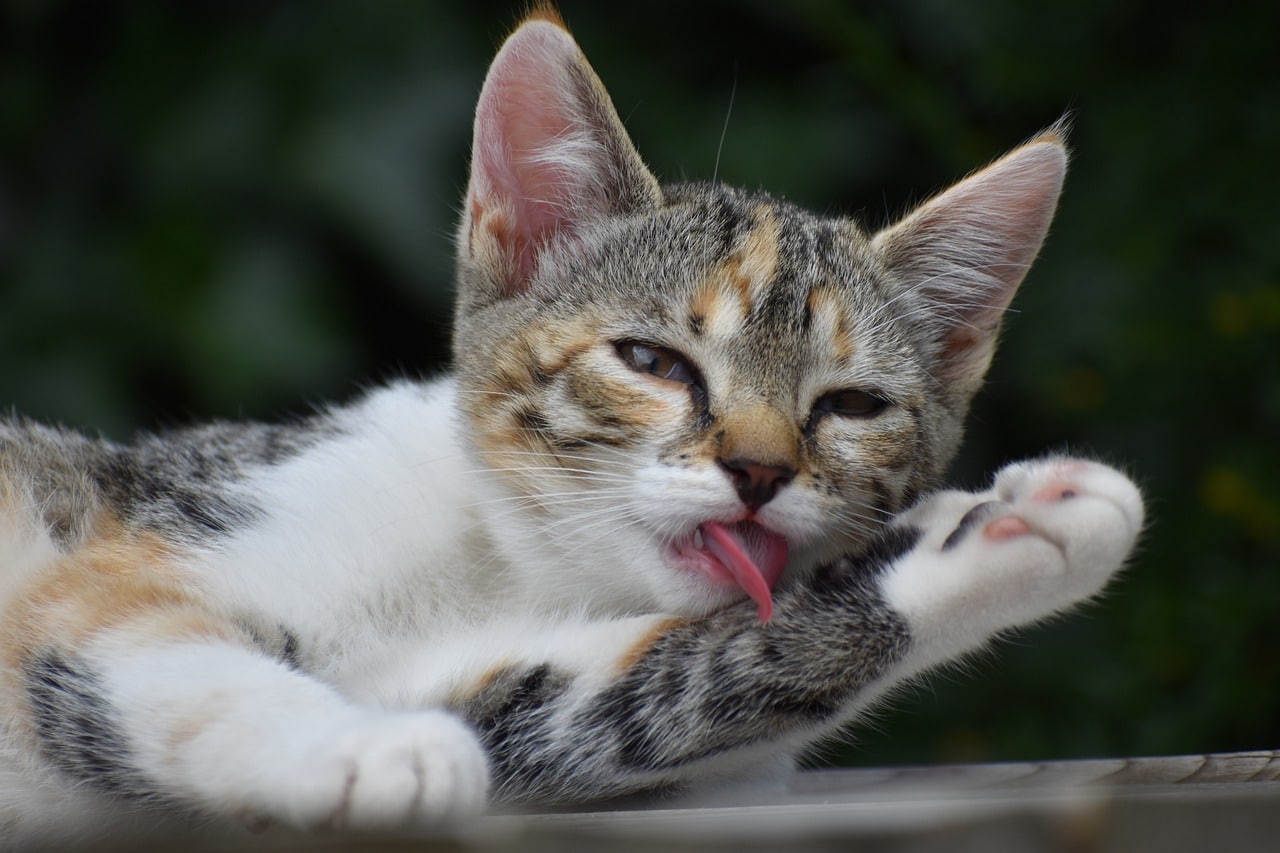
<point x="829" y="321"/>
<point x="732" y="290"/>
<point x="758" y="256"/>
<point x="715" y="310"/>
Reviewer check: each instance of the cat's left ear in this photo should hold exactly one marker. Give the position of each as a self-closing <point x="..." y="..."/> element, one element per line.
<point x="967" y="250"/>
<point x="549" y="154"/>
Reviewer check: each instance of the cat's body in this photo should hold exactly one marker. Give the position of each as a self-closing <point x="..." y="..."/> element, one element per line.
<point x="529" y="582"/>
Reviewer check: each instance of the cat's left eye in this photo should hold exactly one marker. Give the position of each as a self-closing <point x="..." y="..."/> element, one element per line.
<point x="852" y="403"/>
<point x="657" y="361"/>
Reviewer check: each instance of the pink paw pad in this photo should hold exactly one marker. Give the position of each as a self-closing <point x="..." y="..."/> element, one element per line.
<point x="1006" y="528"/>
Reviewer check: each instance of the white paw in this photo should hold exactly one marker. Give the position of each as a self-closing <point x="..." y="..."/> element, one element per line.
<point x="1048" y="534"/>
<point x="384" y="771"/>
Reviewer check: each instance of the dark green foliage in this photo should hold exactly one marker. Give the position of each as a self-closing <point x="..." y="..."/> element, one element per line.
<point x="227" y="209"/>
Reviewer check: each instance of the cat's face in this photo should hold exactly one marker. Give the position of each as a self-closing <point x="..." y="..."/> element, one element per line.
<point x="685" y="395"/>
<point x="726" y="359"/>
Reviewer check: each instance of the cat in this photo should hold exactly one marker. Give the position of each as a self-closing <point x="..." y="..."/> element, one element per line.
<point x="669" y="520"/>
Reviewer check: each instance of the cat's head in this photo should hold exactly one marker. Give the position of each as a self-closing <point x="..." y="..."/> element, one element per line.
<point x="677" y="389"/>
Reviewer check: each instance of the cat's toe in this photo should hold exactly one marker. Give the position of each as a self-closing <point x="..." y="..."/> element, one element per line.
<point x="976" y="517"/>
<point x="418" y="768"/>
<point x="1056" y="479"/>
<point x="394" y="770"/>
<point x="1090" y="512"/>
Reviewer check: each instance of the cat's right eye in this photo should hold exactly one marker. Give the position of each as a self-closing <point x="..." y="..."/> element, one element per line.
<point x="657" y="361"/>
<point x="851" y="403"/>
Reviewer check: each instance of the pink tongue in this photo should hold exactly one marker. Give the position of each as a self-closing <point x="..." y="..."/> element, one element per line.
<point x="725" y="545"/>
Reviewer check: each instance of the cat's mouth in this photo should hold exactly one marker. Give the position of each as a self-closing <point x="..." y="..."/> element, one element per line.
<point x="743" y="553"/>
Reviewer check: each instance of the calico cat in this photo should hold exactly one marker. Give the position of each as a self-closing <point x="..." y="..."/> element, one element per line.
<point x="669" y="519"/>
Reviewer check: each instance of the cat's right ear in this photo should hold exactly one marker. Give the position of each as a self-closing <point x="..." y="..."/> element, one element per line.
<point x="549" y="154"/>
<point x="967" y="249"/>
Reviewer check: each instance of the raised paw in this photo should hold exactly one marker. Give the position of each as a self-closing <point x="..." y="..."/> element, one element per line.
<point x="387" y="770"/>
<point x="1047" y="535"/>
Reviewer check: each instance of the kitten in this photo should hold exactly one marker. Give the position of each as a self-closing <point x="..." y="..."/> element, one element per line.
<point x="669" y="519"/>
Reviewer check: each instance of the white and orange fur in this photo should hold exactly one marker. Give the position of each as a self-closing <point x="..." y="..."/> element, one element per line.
<point x="504" y="585"/>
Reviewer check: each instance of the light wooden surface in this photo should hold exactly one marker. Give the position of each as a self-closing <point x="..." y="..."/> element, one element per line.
<point x="1217" y="803"/>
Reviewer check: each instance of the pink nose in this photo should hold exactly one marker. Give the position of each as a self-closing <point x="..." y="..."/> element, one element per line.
<point x="755" y="482"/>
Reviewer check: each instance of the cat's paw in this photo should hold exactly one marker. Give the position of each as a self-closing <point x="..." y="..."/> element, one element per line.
<point x="1048" y="534"/>
<point x="384" y="771"/>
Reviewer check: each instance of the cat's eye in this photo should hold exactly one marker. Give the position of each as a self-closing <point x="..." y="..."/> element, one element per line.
<point x="657" y="361"/>
<point x="852" y="403"/>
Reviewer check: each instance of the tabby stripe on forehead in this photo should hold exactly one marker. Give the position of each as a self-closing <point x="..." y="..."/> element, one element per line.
<point x="730" y="219"/>
<point x="733" y="291"/>
<point x="697" y="322"/>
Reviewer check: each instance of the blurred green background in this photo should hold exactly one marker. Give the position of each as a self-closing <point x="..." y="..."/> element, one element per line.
<point x="240" y="208"/>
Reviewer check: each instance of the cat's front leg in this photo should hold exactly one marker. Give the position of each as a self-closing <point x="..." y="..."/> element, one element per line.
<point x="214" y="729"/>
<point x="618" y="707"/>
<point x="131" y="689"/>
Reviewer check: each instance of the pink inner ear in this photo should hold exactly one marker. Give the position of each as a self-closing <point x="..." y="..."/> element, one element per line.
<point x="532" y="160"/>
<point x="970" y="247"/>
